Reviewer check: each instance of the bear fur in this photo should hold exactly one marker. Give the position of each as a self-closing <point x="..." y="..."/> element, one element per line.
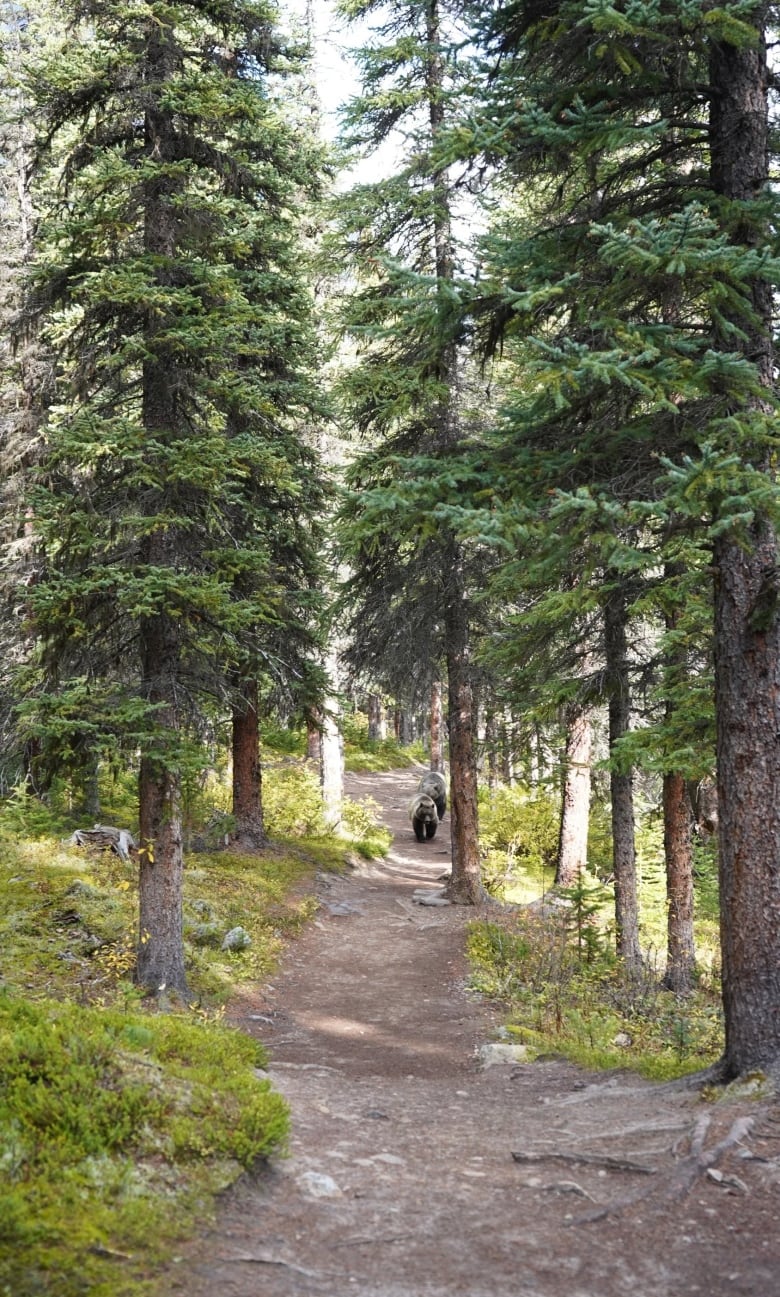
<point x="434" y="785"/>
<point x="424" y="816"/>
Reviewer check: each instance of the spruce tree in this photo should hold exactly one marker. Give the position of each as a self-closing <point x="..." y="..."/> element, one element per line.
<point x="175" y="487"/>
<point x="27" y="369"/>
<point x="413" y="580"/>
<point x="641" y="301"/>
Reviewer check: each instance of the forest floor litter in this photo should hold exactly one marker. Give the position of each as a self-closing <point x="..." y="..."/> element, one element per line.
<point x="428" y="1160"/>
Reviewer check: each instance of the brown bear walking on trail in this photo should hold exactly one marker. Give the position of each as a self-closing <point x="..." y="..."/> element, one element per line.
<point x="424" y="817"/>
<point x="435" y="786"/>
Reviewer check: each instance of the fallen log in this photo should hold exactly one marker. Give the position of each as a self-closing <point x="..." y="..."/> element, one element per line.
<point x="105" y="838"/>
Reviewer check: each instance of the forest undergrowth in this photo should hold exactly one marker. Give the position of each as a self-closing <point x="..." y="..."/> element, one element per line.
<point x="122" y="1116"/>
<point x="548" y="956"/>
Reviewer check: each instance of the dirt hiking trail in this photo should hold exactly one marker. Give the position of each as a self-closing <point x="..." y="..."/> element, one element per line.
<point x="401" y="1179"/>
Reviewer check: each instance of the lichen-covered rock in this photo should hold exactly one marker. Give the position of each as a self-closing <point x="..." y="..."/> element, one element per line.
<point x="237" y="939"/>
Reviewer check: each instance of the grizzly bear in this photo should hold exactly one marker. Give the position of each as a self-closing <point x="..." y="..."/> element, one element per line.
<point x="435" y="786"/>
<point x="424" y="816"/>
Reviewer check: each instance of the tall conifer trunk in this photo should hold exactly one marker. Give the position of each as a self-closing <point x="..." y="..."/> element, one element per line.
<point x="437" y="748"/>
<point x="678" y="846"/>
<point x="508" y="755"/>
<point x="491" y="748"/>
<point x="249" y="829"/>
<point x="621" y="784"/>
<point x="376" y="720"/>
<point x="160" y="961"/>
<point x="747" y="628"/>
<point x="575" y="802"/>
<point x="680" y="956"/>
<point x="314" y="739"/>
<point x="465" y="886"/>
<point x="331" y="750"/>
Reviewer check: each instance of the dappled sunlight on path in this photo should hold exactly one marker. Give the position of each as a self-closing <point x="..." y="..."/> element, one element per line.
<point x="401" y="1180"/>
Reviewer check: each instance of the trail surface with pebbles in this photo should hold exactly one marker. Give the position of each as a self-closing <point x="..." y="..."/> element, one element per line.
<point x="416" y="1170"/>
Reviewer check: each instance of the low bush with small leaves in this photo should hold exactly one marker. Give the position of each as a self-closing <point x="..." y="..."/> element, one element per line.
<point x="573" y="997"/>
<point x="364" y="754"/>
<point x="292" y="800"/>
<point x="119" y="1125"/>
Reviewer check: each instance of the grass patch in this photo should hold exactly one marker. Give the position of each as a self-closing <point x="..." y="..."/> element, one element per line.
<point x="374" y="756"/>
<point x="118" y="1124"/>
<point x="69" y="917"/>
<point x="551" y="960"/>
<point x="365" y="755"/>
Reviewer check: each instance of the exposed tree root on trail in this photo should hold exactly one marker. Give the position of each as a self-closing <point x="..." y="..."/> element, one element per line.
<point x="698" y="1162"/>
<point x="587" y="1159"/>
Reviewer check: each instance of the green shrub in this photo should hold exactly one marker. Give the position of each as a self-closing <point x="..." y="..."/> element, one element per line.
<point x="705" y="878"/>
<point x="364" y="754"/>
<point x="117" y="1127"/>
<point x="524" y="829"/>
<point x="22" y="815"/>
<point x="292" y="801"/>
<point x="362" y="824"/>
<point x="600" y="838"/>
<point x="571" y="995"/>
<point x="584" y="916"/>
<point x="96" y="1107"/>
<point x="282" y="740"/>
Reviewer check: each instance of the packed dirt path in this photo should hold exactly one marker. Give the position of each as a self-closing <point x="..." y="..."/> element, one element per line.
<point x="401" y="1180"/>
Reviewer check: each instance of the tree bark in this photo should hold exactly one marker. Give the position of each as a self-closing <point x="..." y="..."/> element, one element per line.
<point x="404" y="727"/>
<point x="491" y="749"/>
<point x="331" y="759"/>
<point x="680" y="955"/>
<point x="465" y="886"/>
<point x="249" y="832"/>
<point x="507" y="749"/>
<point x="703" y="796"/>
<point x="160" y="961"/>
<point x="437" y="726"/>
<point x="621" y="784"/>
<point x="91" y="779"/>
<point x="376" y="720"/>
<point x="747" y="630"/>
<point x="314" y="739"/>
<point x="747" y="682"/>
<point x="678" y="842"/>
<point x="539" y="761"/>
<point x="575" y="803"/>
